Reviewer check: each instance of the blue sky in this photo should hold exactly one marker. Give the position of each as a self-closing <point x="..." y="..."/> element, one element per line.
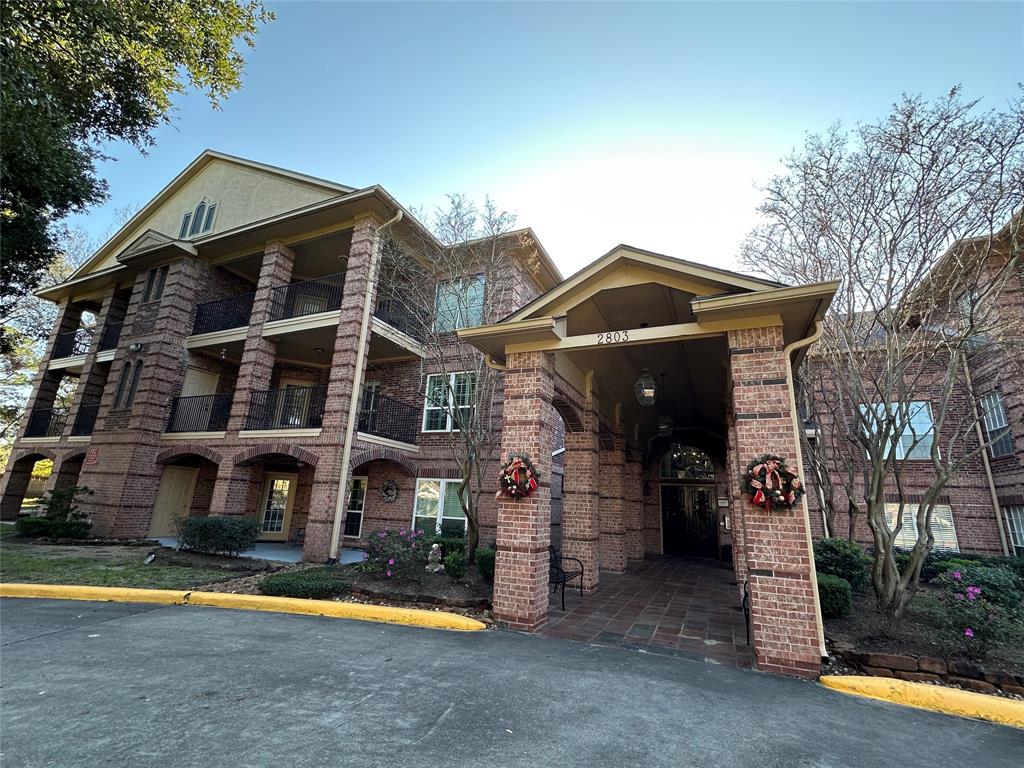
<point x="650" y="124"/>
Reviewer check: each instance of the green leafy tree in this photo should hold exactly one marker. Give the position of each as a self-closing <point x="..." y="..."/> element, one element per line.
<point x="75" y="74"/>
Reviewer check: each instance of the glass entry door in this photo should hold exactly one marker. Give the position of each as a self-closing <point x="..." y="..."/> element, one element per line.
<point x="689" y="523"/>
<point x="276" y="509"/>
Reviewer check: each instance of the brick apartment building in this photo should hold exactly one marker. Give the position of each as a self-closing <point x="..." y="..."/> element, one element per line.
<point x="240" y="363"/>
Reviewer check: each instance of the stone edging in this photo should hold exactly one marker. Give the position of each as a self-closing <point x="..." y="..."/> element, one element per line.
<point x="410" y="597"/>
<point x="926" y="669"/>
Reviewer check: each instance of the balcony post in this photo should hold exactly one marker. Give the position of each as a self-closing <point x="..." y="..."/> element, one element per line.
<point x="94" y="376"/>
<point x="257" y="363"/>
<point x="46" y="383"/>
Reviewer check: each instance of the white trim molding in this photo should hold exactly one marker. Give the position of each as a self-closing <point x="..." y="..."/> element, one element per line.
<point x="192" y="435"/>
<point x="387" y="442"/>
<point x="280" y="432"/>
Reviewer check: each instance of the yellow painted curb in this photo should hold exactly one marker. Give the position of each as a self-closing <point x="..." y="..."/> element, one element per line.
<point x="938" y="698"/>
<point x="357" y="611"/>
<point x="101" y="594"/>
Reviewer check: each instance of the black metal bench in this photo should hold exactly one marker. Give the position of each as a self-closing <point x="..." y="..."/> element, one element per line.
<point x="560" y="576"/>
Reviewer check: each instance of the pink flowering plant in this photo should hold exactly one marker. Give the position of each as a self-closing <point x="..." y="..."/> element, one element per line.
<point x="396" y="554"/>
<point x="974" y="621"/>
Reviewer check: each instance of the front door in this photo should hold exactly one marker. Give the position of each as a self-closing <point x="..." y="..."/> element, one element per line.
<point x="173" y="499"/>
<point x="276" y="509"/>
<point x="688" y="520"/>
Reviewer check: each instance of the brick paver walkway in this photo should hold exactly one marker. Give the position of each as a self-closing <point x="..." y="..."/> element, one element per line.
<point x="667" y="605"/>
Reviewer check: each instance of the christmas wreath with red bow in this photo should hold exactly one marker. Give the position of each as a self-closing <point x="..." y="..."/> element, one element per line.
<point x="772" y="483"/>
<point x="518" y="478"/>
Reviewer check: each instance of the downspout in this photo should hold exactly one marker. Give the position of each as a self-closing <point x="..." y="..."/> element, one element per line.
<point x="985" y="461"/>
<point x="357" y="387"/>
<point x="790" y="348"/>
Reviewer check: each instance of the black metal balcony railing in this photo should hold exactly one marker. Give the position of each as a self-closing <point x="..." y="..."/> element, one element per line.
<point x="46" y="422"/>
<point x="322" y="294"/>
<point x="200" y="413"/>
<point x="233" y="312"/>
<point x="71" y="343"/>
<point x="291" y="408"/>
<point x="110" y="336"/>
<point x="85" y="419"/>
<point x="400" y="318"/>
<point x="389" y="418"/>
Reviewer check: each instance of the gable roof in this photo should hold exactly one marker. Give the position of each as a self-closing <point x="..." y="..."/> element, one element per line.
<point x="192" y="170"/>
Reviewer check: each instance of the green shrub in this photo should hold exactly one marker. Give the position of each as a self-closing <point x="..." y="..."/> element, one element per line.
<point x="485" y="562"/>
<point x="311" y="583"/>
<point x="218" y="535"/>
<point x="448" y="544"/>
<point x="399" y="555"/>
<point x="72" y="528"/>
<point x="835" y="596"/>
<point x="996" y="585"/>
<point x="974" y="622"/>
<point x="455" y="564"/>
<point x="845" y="559"/>
<point x="33" y="527"/>
<point x="933" y="569"/>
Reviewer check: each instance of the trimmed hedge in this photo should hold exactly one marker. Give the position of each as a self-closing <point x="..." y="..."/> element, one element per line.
<point x="448" y="544"/>
<point x="834" y="595"/>
<point x="845" y="559"/>
<point x="310" y="583"/>
<point x="33" y="527"/>
<point x="455" y="564"/>
<point x="485" y="562"/>
<point x="218" y="535"/>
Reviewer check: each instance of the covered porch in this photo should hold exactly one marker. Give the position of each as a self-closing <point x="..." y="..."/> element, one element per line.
<point x="666" y="378"/>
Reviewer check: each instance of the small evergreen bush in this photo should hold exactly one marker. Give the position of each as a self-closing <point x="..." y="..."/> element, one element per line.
<point x="845" y="559"/>
<point x="218" y="535"/>
<point x="309" y="583"/>
<point x="455" y="564"/>
<point x="33" y="527"/>
<point x="835" y="596"/>
<point x="485" y="562"/>
<point x="448" y="544"/>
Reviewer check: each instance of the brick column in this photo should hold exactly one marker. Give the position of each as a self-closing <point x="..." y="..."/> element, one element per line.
<point x="93" y="378"/>
<point x="611" y="470"/>
<point x="13" y="485"/>
<point x="580" y="501"/>
<point x="44" y="388"/>
<point x="258" y="355"/>
<point x="359" y="277"/>
<point x="524" y="526"/>
<point x="778" y="557"/>
<point x="633" y="487"/>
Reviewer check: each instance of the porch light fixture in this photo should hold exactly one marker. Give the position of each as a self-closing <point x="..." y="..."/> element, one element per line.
<point x="645" y="389"/>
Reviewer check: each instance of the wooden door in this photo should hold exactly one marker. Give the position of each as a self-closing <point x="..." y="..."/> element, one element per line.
<point x="173" y="499"/>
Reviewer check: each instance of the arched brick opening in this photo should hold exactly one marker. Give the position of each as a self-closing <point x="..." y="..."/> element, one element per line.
<point x="383" y="454"/>
<point x="569" y="413"/>
<point x="275" y="449"/>
<point x="16" y="479"/>
<point x="173" y="455"/>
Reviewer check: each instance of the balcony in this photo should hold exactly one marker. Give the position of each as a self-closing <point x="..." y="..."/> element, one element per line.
<point x="389" y="419"/>
<point x="399" y="318"/>
<point x="110" y="336"/>
<point x="233" y="312"/>
<point x="200" y="413"/>
<point x="72" y="343"/>
<point x="290" y="408"/>
<point x="309" y="297"/>
<point x="46" y="422"/>
<point x="85" y="420"/>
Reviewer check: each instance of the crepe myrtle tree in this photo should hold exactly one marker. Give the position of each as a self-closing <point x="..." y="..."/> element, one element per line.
<point x="918" y="218"/>
<point x="470" y="269"/>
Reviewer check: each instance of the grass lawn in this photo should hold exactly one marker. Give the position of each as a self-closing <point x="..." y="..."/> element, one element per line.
<point x="107" y="566"/>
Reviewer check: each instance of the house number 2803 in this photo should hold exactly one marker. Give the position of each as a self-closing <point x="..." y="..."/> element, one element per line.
<point x="612" y="337"/>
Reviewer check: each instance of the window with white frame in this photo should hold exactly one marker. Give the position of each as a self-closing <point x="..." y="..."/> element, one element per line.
<point x="459" y="303"/>
<point x="198" y="222"/>
<point x="996" y="426"/>
<point x="449" y="401"/>
<point x="943" y="530"/>
<point x="356" y="504"/>
<point x="437" y="508"/>
<point x="1014" y="515"/>
<point x="918" y="434"/>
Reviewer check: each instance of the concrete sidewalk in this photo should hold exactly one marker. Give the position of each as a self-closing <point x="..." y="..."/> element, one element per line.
<point x="88" y="684"/>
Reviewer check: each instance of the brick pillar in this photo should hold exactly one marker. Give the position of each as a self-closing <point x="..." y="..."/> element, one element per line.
<point x="258" y="355"/>
<point x="633" y="486"/>
<point x="778" y="557"/>
<point x="580" y="501"/>
<point x="524" y="526"/>
<point x="13" y="485"/>
<point x="94" y="375"/>
<point x="44" y="388"/>
<point x="611" y="470"/>
<point x="360" y="277"/>
<point x="736" y="502"/>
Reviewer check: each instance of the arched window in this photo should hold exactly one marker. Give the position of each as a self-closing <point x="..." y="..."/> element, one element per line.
<point x="683" y="462"/>
<point x="197" y="220"/>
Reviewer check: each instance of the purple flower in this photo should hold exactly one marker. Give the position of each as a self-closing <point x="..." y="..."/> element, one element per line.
<point x="391" y="561"/>
<point x="956" y="575"/>
<point x="968" y="632"/>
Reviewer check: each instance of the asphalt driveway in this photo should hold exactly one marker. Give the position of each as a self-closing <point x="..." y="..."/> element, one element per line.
<point x="90" y="684"/>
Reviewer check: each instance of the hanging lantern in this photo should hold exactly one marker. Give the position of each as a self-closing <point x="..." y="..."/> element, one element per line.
<point x="645" y="389"/>
<point x="665" y="425"/>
